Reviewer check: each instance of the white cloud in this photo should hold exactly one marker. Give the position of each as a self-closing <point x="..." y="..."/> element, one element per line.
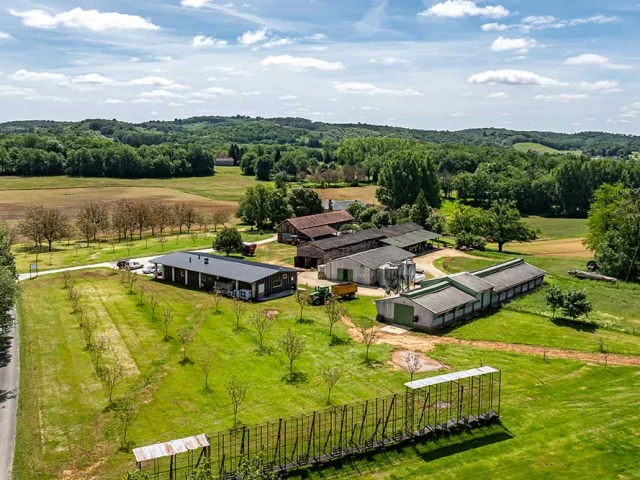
<point x="464" y="8"/>
<point x="280" y="42"/>
<point x="498" y="95"/>
<point x="153" y="114"/>
<point x="252" y="94"/>
<point x="5" y="36"/>
<point x="562" y="97"/>
<point x="390" y="61"/>
<point x="224" y="92"/>
<point x="593" y="19"/>
<point x="176" y="104"/>
<point x="92" y="79"/>
<point x="587" y="59"/>
<point x="288" y="97"/>
<point x="319" y="48"/>
<point x="200" y="41"/>
<point x="11" y="91"/>
<point x="603" y="86"/>
<point x="512" y="77"/>
<point x="158" y="94"/>
<point x="539" y="20"/>
<point x="318" y="37"/>
<point x="163" y="58"/>
<point x="251" y="38"/>
<point x="195" y="3"/>
<point x="301" y="63"/>
<point x="134" y="59"/>
<point x="113" y="101"/>
<point x="502" y="44"/>
<point x="231" y="70"/>
<point x="495" y="27"/>
<point x="369" y="89"/>
<point x="460" y="114"/>
<point x="23" y="75"/>
<point x="158" y="82"/>
<point x="617" y="66"/>
<point x="79" y="18"/>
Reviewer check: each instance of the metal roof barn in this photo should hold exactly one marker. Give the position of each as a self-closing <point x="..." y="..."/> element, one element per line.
<point x="443" y="300"/>
<point x="170" y="448"/>
<point x="509" y="274"/>
<point x="448" y="377"/>
<point x="411" y="238"/>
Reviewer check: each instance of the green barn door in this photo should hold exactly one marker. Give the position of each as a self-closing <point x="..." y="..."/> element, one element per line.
<point x="345" y="275"/>
<point x="403" y="315"/>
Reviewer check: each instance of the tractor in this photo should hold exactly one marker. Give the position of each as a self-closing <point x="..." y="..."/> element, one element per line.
<point x="320" y="295"/>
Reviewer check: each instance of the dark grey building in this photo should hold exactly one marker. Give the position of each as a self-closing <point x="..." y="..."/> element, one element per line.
<point x="242" y="278"/>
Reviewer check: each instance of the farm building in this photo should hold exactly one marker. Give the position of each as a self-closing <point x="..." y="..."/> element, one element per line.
<point x="337" y="205"/>
<point x="225" y="162"/>
<point x="313" y="227"/>
<point x="417" y="241"/>
<point x="443" y="301"/>
<point x="248" y="280"/>
<point x="320" y="252"/>
<point x="373" y="267"/>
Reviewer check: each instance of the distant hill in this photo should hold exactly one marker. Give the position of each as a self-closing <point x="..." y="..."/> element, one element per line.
<point x="300" y="131"/>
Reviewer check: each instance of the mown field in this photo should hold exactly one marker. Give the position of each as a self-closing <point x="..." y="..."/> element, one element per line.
<point x="560" y="418"/>
<point x="539" y="148"/>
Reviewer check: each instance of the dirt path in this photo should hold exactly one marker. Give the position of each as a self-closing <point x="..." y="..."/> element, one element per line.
<point x="425" y="343"/>
<point x="425" y="262"/>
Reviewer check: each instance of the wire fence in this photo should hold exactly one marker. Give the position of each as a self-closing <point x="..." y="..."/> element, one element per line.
<point x="320" y="437"/>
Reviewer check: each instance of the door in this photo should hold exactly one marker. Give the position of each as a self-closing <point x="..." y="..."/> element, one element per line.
<point x="403" y="315"/>
<point x="345" y="275"/>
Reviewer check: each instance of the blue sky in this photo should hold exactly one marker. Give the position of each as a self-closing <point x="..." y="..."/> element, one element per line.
<point x="452" y="64"/>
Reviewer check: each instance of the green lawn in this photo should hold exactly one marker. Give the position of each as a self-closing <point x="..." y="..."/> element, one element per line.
<point x="538" y="148"/>
<point x="66" y="255"/>
<point x="554" y="228"/>
<point x="527" y="320"/>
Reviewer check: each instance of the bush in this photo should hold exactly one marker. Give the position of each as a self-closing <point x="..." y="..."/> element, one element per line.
<point x="470" y="240"/>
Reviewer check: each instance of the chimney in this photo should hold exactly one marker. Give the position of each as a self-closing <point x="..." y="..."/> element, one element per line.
<point x="206" y="261"/>
<point x="189" y="259"/>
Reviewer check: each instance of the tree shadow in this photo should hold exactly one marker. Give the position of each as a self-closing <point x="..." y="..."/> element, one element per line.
<point x="6" y="395"/>
<point x="207" y="391"/>
<point x="337" y="341"/>
<point x="295" y="378"/>
<point x="263" y="351"/>
<point x="305" y="321"/>
<point x="186" y="361"/>
<point x="127" y="447"/>
<point x="576" y="325"/>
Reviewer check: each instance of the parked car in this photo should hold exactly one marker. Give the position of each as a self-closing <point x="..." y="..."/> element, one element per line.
<point x="122" y="263"/>
<point x="134" y="265"/>
<point x="148" y="269"/>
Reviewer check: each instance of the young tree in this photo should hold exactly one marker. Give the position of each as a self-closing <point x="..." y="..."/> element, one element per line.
<point x="302" y="299"/>
<point x="239" y="308"/>
<point x="167" y="318"/>
<point x="292" y="346"/>
<point x="555" y="299"/>
<point x="133" y="281"/>
<point x="100" y="347"/>
<point x="369" y="337"/>
<point x="185" y="336"/>
<point x="219" y="217"/>
<point x="206" y="362"/>
<point x="421" y="211"/>
<point x="113" y="373"/>
<point x="331" y="376"/>
<point x="412" y="362"/>
<point x="216" y="295"/>
<point x="576" y="305"/>
<point x="89" y="326"/>
<point x="503" y="224"/>
<point x="228" y="240"/>
<point x="142" y="292"/>
<point x="162" y="241"/>
<point x="335" y="311"/>
<point x="263" y="323"/>
<point x="154" y="301"/>
<point x="127" y="412"/>
<point x="67" y="278"/>
<point x="237" y="392"/>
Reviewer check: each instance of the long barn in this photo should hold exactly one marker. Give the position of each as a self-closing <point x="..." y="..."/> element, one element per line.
<point x="257" y="281"/>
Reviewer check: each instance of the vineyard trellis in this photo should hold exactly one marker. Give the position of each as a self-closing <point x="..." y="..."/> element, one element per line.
<point x="428" y="407"/>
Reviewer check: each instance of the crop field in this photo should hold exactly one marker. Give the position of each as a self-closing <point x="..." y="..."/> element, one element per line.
<point x="565" y="247"/>
<point x="366" y="194"/>
<point x="560" y="418"/>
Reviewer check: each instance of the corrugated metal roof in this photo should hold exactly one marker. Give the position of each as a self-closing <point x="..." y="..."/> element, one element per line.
<point x="348" y="239"/>
<point x="448" y="377"/>
<point x="509" y="274"/>
<point x="472" y="282"/>
<point x="443" y="300"/>
<point x="227" y="267"/>
<point x="401" y="229"/>
<point x="379" y="256"/>
<point x="329" y="218"/>
<point x="170" y="448"/>
<point x="411" y="238"/>
<point x="322" y="231"/>
<point x="337" y="205"/>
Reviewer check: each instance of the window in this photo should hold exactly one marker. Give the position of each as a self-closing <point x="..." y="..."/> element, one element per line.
<point x="277" y="282"/>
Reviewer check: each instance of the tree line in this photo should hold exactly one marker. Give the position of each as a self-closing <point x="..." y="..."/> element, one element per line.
<point x="122" y="220"/>
<point x="9" y="290"/>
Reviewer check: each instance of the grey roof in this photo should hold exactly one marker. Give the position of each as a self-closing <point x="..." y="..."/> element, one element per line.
<point x="509" y="274"/>
<point x="348" y="239"/>
<point x="379" y="256"/>
<point x="395" y="230"/>
<point x="227" y="267"/>
<point x="472" y="282"/>
<point x="448" y="377"/>
<point x="443" y="300"/>
<point x="339" y="204"/>
<point x="411" y="238"/>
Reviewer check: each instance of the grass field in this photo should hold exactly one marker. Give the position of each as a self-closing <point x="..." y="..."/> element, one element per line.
<point x="538" y="148"/>
<point x="558" y="228"/>
<point x="561" y="418"/>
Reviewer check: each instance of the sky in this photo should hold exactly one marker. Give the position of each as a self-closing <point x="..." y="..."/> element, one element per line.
<point x="521" y="64"/>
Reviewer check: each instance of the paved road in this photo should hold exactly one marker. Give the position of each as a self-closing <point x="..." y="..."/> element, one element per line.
<point x="9" y="376"/>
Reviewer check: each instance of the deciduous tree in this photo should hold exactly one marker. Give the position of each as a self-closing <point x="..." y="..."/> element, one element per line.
<point x="331" y="376"/>
<point x="237" y="392"/>
<point x="292" y="346"/>
<point x="228" y="240"/>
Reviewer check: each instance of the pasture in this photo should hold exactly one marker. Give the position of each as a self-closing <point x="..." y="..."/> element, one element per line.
<point x="539" y="148"/>
<point x="560" y="418"/>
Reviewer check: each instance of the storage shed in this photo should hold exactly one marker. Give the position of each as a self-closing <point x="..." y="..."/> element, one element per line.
<point x="242" y="278"/>
<point x="310" y="255"/>
<point x="313" y="227"/>
<point x="365" y="267"/>
<point x="417" y="242"/>
<point x="337" y="205"/>
<point x="225" y="162"/>
<point x="443" y="301"/>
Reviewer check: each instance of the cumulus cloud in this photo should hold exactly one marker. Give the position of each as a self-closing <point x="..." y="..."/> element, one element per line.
<point x="512" y="77"/>
<point x="158" y="94"/>
<point x="593" y="19"/>
<point x="464" y="8"/>
<point x="5" y="36"/>
<point x="251" y="38"/>
<point x="224" y="92"/>
<point x="603" y="86"/>
<point x="113" y="101"/>
<point x="163" y="82"/>
<point x="279" y="42"/>
<point x="562" y="97"/>
<point x="539" y="20"/>
<point x="391" y="61"/>
<point x="11" y="91"/>
<point x="587" y="59"/>
<point x="369" y="89"/>
<point x="254" y="93"/>
<point x="498" y="95"/>
<point x="301" y="63"/>
<point x="200" y="41"/>
<point x="502" y="44"/>
<point x="79" y="18"/>
<point x="495" y="27"/>
<point x="23" y="75"/>
<point x="195" y="3"/>
<point x="92" y="79"/>
<point x="318" y="37"/>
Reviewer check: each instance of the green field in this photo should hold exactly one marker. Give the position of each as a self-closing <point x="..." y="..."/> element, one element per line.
<point x="65" y="425"/>
<point x="538" y="148"/>
<point x="556" y="228"/>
